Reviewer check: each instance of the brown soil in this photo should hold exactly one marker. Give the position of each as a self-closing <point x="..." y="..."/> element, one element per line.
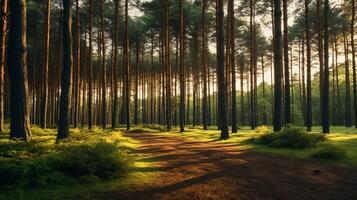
<point x="199" y="170"/>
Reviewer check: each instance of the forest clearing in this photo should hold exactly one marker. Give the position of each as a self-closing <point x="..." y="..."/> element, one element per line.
<point x="194" y="165"/>
<point x="178" y="99"/>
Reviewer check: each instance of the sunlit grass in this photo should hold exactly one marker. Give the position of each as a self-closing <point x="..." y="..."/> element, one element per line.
<point x="341" y="137"/>
<point x="44" y="144"/>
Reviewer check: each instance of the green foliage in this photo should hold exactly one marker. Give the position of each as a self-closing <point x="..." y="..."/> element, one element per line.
<point x="157" y="127"/>
<point x="262" y="129"/>
<point x="28" y="173"/>
<point x="102" y="160"/>
<point x="330" y="152"/>
<point x="290" y="137"/>
<point x="89" y="155"/>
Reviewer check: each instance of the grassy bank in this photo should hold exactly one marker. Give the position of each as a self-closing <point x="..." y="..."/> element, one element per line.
<point x="83" y="167"/>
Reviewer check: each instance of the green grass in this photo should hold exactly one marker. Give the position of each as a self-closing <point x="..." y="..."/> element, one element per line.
<point x="341" y="137"/>
<point x="43" y="146"/>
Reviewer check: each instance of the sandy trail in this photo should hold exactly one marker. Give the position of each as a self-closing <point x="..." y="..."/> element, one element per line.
<point x="200" y="170"/>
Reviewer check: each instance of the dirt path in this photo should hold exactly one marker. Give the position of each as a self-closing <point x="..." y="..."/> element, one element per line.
<point x="196" y="170"/>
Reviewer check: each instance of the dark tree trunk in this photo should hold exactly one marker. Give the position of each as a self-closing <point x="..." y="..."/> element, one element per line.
<point x="354" y="62"/>
<point x="233" y="67"/>
<point x="277" y="66"/>
<point x="182" y="69"/>
<point x="115" y="65"/>
<point x="204" y="65"/>
<point x="325" y="102"/>
<point x="90" y="67"/>
<point x="287" y="109"/>
<point x="308" y="69"/>
<point x="77" y="68"/>
<point x="104" y="71"/>
<point x="17" y="66"/>
<point x="126" y="67"/>
<point x="63" y="121"/>
<point x="222" y="89"/>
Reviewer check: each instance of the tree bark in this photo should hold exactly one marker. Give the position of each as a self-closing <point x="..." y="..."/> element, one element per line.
<point x="308" y="69"/>
<point x="222" y="89"/>
<point x="4" y="21"/>
<point x="63" y="121"/>
<point x="17" y="67"/>
<point x="45" y="62"/>
<point x="182" y="69"/>
<point x="325" y="102"/>
<point x="287" y="109"/>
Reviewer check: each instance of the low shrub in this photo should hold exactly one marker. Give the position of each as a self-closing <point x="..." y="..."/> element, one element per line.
<point x="330" y="152"/>
<point x="28" y="173"/>
<point x="90" y="162"/>
<point x="157" y="127"/>
<point x="262" y="129"/>
<point x="290" y="137"/>
<point x="103" y="160"/>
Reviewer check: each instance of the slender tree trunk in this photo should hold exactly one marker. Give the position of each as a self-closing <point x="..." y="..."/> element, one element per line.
<point x="45" y="62"/>
<point x="17" y="67"/>
<point x="204" y="66"/>
<point x="337" y="84"/>
<point x="325" y="102"/>
<point x="277" y="66"/>
<point x="90" y="67"/>
<point x="348" y="121"/>
<point x="136" y="104"/>
<point x="77" y="68"/>
<point x="287" y="113"/>
<point x="4" y="15"/>
<point x="222" y="101"/>
<point x="104" y="71"/>
<point x="242" y="111"/>
<point x="321" y="56"/>
<point x="354" y="62"/>
<point x="63" y="121"/>
<point x="233" y="67"/>
<point x="308" y="68"/>
<point x="182" y="69"/>
<point x="115" y="65"/>
<point x="127" y="61"/>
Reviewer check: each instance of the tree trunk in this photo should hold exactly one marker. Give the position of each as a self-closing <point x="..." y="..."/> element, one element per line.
<point x="354" y="62"/>
<point x="308" y="69"/>
<point x="4" y="13"/>
<point x="321" y="56"/>
<point x="277" y="66"/>
<point x="115" y="65"/>
<point x="233" y="67"/>
<point x="287" y="109"/>
<point x="204" y="65"/>
<point x="77" y="68"/>
<point x="104" y="71"/>
<point x="63" y="121"/>
<point x="90" y="67"/>
<point x="45" y="62"/>
<point x="182" y="69"/>
<point x="222" y="90"/>
<point x="17" y="66"/>
<point x="325" y="102"/>
<point x="348" y="121"/>
<point x="126" y="67"/>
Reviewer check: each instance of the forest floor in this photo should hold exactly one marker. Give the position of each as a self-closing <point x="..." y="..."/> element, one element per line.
<point x="188" y="169"/>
